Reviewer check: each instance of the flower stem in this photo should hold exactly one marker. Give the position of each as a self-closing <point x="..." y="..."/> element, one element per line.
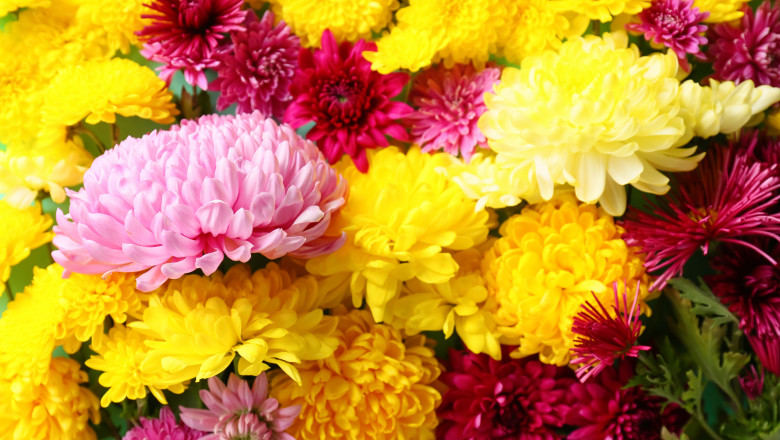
<point x="114" y="134"/>
<point x="81" y="129"/>
<point x="700" y="418"/>
<point x="8" y="289"/>
<point x="110" y="424"/>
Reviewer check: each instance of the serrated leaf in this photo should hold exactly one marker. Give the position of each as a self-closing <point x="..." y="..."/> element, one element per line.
<point x="667" y="435"/>
<point x="691" y="397"/>
<point x="705" y="303"/>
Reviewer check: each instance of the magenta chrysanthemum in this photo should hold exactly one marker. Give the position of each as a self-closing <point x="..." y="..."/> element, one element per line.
<point x="257" y="71"/>
<point x="749" y="50"/>
<point x="184" y="34"/>
<point x="675" y="24"/>
<point x="502" y="400"/>
<point x="348" y="102"/>
<point x="752" y="383"/>
<point x="728" y="198"/>
<point x="448" y="105"/>
<point x="183" y="199"/>
<point x="165" y="427"/>
<point x="237" y="412"/>
<point x="603" y="338"/>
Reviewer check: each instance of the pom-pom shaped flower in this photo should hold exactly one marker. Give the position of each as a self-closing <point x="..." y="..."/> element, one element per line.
<point x="164" y="427"/>
<point x="184" y="34"/>
<point x="401" y="219"/>
<point x="448" y="103"/>
<point x="720" y="10"/>
<point x="748" y="50"/>
<point x="604" y="10"/>
<point x="674" y="24"/>
<point x="348" y="102"/>
<point x="23" y="230"/>
<point x="375" y="386"/>
<point x="551" y="258"/>
<point x="12" y="5"/>
<point x="179" y="200"/>
<point x="236" y="411"/>
<point x="119" y="19"/>
<point x="510" y="399"/>
<point x="257" y="71"/>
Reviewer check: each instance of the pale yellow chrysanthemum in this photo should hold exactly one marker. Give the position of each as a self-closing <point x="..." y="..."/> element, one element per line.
<point x="720" y="10"/>
<point x="604" y="10"/>
<point x="551" y="23"/>
<point x="197" y="325"/>
<point x="57" y="409"/>
<point x="375" y="386"/>
<point x="462" y="304"/>
<point x="349" y="20"/>
<point x="119" y="20"/>
<point x="401" y="218"/>
<point x="120" y="358"/>
<point x="23" y="230"/>
<point x="7" y="6"/>
<point x="544" y="267"/>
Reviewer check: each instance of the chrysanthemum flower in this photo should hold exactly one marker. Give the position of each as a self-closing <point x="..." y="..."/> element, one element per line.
<point x="549" y="260"/>
<point x="604" y="10"/>
<point x="375" y="386"/>
<point x="720" y="10"/>
<point x="184" y="34"/>
<point x="728" y="198"/>
<point x="603" y="338"/>
<point x="676" y="25"/>
<point x="164" y="427"/>
<point x="401" y="219"/>
<point x="23" y="230"/>
<point x="349" y="21"/>
<point x="511" y="399"/>
<point x="448" y="103"/>
<point x="257" y="71"/>
<point x="22" y="94"/>
<point x="197" y="325"/>
<point x="236" y="411"/>
<point x="767" y="349"/>
<point x="348" y="102"/>
<point x="12" y="5"/>
<point x="119" y="20"/>
<point x="58" y="408"/>
<point x="222" y="186"/>
<point x="752" y="383"/>
<point x="748" y="50"/>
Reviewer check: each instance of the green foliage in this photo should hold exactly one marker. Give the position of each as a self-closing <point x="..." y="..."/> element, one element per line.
<point x="705" y="303"/>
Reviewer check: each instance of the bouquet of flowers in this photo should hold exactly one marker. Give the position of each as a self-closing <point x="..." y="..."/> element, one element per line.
<point x="384" y="219"/>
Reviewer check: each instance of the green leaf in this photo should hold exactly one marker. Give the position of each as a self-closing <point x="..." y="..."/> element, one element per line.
<point x="705" y="303"/>
<point x="693" y="393"/>
<point x="666" y="435"/>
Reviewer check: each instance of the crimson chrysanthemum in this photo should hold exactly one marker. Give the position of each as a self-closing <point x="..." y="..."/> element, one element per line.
<point x="257" y="70"/>
<point x="728" y="198"/>
<point x="749" y="49"/>
<point x="752" y="383"/>
<point x="448" y="104"/>
<point x="185" y="34"/>
<point x="603" y="338"/>
<point x="349" y="103"/>
<point x="675" y="24"/>
<point x="165" y="427"/>
<point x="511" y="399"/>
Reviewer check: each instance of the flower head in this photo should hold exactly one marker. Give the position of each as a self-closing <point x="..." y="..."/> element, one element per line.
<point x="164" y="427"/>
<point x="503" y="400"/>
<point x="348" y="102"/>
<point x="257" y="71"/>
<point x="448" y="103"/>
<point x="235" y="412"/>
<point x="603" y="338"/>
<point x="23" y="230"/>
<point x="752" y="383"/>
<point x="720" y="10"/>
<point x="767" y="349"/>
<point x="604" y="10"/>
<point x="222" y="186"/>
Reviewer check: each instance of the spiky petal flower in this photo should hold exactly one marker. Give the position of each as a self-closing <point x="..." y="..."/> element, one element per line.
<point x="752" y="383"/>
<point x="675" y="24"/>
<point x="256" y="73"/>
<point x="348" y="102"/>
<point x="165" y="427"/>
<point x="749" y="49"/>
<point x="184" y="34"/>
<point x="184" y="199"/>
<point x="448" y="105"/>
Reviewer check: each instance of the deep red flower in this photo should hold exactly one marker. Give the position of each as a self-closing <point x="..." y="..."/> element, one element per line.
<point x="511" y="399"/>
<point x="752" y="383"/>
<point x="767" y="349"/>
<point x="602" y="338"/>
<point x="348" y="102"/>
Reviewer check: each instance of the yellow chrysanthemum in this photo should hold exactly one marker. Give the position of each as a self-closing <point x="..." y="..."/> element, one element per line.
<point x="544" y="267"/>
<point x="773" y="123"/>
<point x="551" y="23"/>
<point x="119" y="19"/>
<point x="375" y="386"/>
<point x="7" y="6"/>
<point x="720" y="10"/>
<point x="462" y="304"/>
<point x="604" y="10"/>
<point x="349" y="20"/>
<point x="196" y="325"/>
<point x="22" y="96"/>
<point x="120" y="358"/>
<point x="58" y="409"/>
<point x="400" y="219"/>
<point x="23" y="230"/>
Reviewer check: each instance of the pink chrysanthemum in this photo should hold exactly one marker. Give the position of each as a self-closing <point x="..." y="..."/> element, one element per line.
<point x="237" y="412"/>
<point x="165" y="427"/>
<point x="749" y="50"/>
<point x="257" y="71"/>
<point x="752" y="383"/>
<point x="183" y="199"/>
<point x="348" y="102"/>
<point x="448" y="105"/>
<point x="503" y="400"/>
<point x="675" y="24"/>
<point x="728" y="198"/>
<point x="603" y="338"/>
<point x="184" y="34"/>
